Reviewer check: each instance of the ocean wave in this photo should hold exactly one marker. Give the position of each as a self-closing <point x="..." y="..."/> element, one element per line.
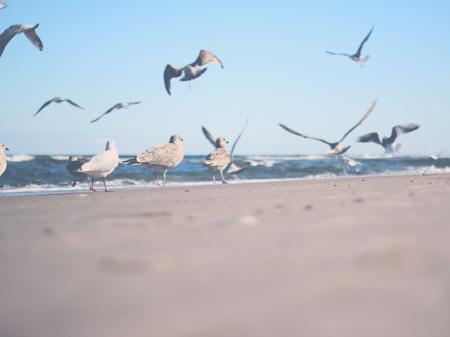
<point x="17" y="158"/>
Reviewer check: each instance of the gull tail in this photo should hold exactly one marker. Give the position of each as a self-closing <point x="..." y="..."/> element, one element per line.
<point x="132" y="161"/>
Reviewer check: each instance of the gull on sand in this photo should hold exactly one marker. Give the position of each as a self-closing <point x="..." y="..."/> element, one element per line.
<point x="164" y="156"/>
<point x="101" y="165"/>
<point x="219" y="159"/>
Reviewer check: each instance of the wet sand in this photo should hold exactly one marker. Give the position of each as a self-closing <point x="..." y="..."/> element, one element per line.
<point x="344" y="257"/>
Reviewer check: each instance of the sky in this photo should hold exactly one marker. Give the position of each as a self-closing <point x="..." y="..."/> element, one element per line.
<point x="100" y="52"/>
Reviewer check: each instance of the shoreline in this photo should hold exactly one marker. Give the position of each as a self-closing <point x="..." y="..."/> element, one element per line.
<point x="67" y="189"/>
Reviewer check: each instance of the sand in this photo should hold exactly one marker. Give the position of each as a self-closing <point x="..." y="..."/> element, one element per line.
<point x="344" y="257"/>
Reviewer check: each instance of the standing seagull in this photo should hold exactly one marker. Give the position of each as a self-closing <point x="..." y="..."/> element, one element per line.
<point x="219" y="159"/>
<point x="28" y="30"/>
<point x="73" y="167"/>
<point x="57" y="100"/>
<point x="389" y="143"/>
<point x="101" y="165"/>
<point x="357" y="57"/>
<point x="123" y="105"/>
<point x="3" y="162"/>
<point x="165" y="156"/>
<point x="338" y="147"/>
<point x="191" y="71"/>
<point x="3" y="5"/>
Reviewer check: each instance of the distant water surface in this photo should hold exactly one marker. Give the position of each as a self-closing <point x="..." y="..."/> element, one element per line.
<point x="47" y="174"/>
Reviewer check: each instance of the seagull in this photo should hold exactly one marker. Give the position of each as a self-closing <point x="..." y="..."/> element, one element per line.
<point x="57" y="100"/>
<point x="28" y="30"/>
<point x="438" y="155"/>
<point x="232" y="168"/>
<point x="357" y="57"/>
<point x="219" y="159"/>
<point x="123" y="105"/>
<point x="191" y="71"/>
<point x="3" y="5"/>
<point x="73" y="166"/>
<point x="101" y="165"/>
<point x="3" y="162"/>
<point x="338" y="147"/>
<point x="164" y="156"/>
<point x="389" y="143"/>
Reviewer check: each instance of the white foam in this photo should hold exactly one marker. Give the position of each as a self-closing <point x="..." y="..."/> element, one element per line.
<point x="17" y="158"/>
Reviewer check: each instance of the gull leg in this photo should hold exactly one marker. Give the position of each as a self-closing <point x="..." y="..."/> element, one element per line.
<point x="214" y="179"/>
<point x="223" y="179"/>
<point x="164" y="177"/>
<point x="91" y="185"/>
<point x="104" y="184"/>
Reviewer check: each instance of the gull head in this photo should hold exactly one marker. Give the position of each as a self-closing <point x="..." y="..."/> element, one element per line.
<point x="110" y="146"/>
<point x="221" y="142"/>
<point x="175" y="139"/>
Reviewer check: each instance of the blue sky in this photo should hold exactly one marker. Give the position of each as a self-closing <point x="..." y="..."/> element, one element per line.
<point x="102" y="52"/>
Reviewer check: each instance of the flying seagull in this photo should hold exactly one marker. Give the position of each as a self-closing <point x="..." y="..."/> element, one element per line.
<point x="164" y="156"/>
<point x="123" y="105"/>
<point x="219" y="159"/>
<point x="191" y="71"/>
<point x="3" y="5"/>
<point x="28" y="30"/>
<point x="338" y="147"/>
<point x="57" y="100"/>
<point x="389" y="143"/>
<point x="101" y="165"/>
<point x="357" y="57"/>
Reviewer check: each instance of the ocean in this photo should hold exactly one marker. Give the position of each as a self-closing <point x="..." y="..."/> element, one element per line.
<point x="43" y="174"/>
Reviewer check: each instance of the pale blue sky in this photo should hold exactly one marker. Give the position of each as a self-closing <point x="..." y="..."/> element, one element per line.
<point x="102" y="52"/>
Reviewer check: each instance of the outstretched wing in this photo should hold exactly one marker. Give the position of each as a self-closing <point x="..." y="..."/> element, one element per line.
<point x="169" y="73"/>
<point x="402" y="129"/>
<point x="363" y="42"/>
<point x="238" y="138"/>
<point x="7" y="35"/>
<point x="209" y="136"/>
<point x="338" y="54"/>
<point x="74" y="104"/>
<point x="373" y="137"/>
<point x="368" y="112"/>
<point x="33" y="37"/>
<point x="288" y="129"/>
<point x="44" y="106"/>
<point x="206" y="57"/>
<point x="105" y="113"/>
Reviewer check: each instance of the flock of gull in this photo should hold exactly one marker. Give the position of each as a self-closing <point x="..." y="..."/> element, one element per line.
<point x="170" y="155"/>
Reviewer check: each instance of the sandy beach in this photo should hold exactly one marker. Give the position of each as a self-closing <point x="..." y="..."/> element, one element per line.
<point x="340" y="257"/>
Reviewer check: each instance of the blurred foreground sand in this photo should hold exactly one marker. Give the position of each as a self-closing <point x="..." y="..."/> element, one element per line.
<point x="344" y="257"/>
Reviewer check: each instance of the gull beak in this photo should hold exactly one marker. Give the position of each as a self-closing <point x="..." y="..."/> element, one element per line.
<point x="227" y="142"/>
<point x="6" y="149"/>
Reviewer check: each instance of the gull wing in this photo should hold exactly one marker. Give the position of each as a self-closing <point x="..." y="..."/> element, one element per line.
<point x="363" y="42"/>
<point x="7" y="35"/>
<point x="169" y="73"/>
<point x="368" y="112"/>
<point x="206" y="57"/>
<point x="403" y="128"/>
<point x="44" y="106"/>
<point x="338" y="54"/>
<point x="373" y="137"/>
<point x="33" y="37"/>
<point x="288" y="129"/>
<point x="238" y="138"/>
<point x="74" y="104"/>
<point x="209" y="136"/>
<point x="105" y="113"/>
